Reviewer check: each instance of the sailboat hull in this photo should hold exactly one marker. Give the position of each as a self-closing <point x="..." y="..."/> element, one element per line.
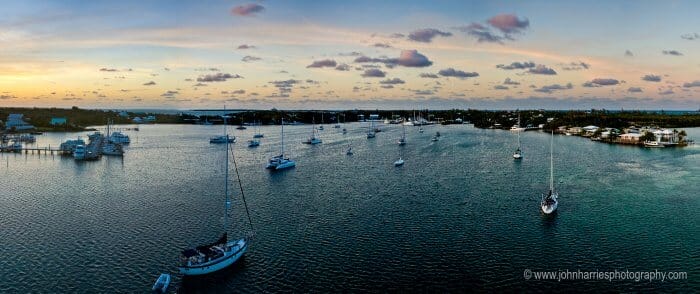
<point x="549" y="209"/>
<point x="223" y="262"/>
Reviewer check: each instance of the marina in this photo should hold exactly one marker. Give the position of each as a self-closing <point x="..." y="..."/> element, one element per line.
<point x="306" y="231"/>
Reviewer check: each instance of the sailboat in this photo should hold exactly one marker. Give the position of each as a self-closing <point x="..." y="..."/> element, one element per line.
<point x="549" y="202"/>
<point x="399" y="162"/>
<point x="223" y="139"/>
<point x="320" y="127"/>
<point x="518" y="154"/>
<point x="258" y="134"/>
<point x="349" y="151"/>
<point x="402" y="140"/>
<point x="370" y="130"/>
<point x="280" y="161"/>
<point x="222" y="253"/>
<point x="314" y="139"/>
<point x="345" y="131"/>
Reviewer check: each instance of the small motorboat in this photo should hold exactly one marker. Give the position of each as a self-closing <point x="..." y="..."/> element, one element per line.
<point x="241" y="127"/>
<point x="349" y="152"/>
<point x="420" y="130"/>
<point x="399" y="162"/>
<point x="222" y="139"/>
<point x="161" y="284"/>
<point x="434" y="139"/>
<point x="253" y="143"/>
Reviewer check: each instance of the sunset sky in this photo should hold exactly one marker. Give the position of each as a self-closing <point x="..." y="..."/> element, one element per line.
<point x="351" y="54"/>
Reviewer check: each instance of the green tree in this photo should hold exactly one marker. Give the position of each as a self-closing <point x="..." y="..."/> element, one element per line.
<point x="647" y="136"/>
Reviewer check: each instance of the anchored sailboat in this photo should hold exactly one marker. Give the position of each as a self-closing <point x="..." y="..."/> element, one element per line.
<point x="314" y="139"/>
<point x="402" y="140"/>
<point x="549" y="202"/>
<point x="518" y="154"/>
<point x="209" y="258"/>
<point x="280" y="161"/>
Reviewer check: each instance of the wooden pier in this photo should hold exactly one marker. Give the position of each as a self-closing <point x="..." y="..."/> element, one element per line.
<point x="33" y="150"/>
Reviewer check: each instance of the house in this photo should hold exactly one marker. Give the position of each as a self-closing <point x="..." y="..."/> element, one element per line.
<point x="16" y="121"/>
<point x="137" y="120"/>
<point x="150" y="118"/>
<point x="630" y="138"/>
<point x="58" y="121"/>
<point x="123" y="113"/>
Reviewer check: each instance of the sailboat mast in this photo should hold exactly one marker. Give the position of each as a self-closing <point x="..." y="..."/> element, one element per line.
<point x="282" y="137"/>
<point x="551" y="163"/>
<point x="228" y="202"/>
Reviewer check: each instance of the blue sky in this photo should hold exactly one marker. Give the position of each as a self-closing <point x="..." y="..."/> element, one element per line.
<point x="135" y="54"/>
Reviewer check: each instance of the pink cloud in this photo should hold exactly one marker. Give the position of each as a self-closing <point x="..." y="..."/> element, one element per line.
<point x="508" y="23"/>
<point x="247" y="9"/>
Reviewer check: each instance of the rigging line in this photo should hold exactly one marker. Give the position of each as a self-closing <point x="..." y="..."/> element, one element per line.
<point x="240" y="185"/>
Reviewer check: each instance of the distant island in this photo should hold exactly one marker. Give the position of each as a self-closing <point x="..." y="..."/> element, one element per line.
<point x="78" y="119"/>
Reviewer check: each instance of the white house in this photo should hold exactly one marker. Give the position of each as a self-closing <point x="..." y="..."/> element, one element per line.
<point x="16" y="121"/>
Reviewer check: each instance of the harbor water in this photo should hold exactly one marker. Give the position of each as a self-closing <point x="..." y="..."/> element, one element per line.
<point x="459" y="215"/>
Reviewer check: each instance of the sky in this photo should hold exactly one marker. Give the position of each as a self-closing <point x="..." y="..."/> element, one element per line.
<point x="350" y="54"/>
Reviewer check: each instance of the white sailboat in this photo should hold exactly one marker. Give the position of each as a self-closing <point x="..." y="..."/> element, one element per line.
<point x="402" y="140"/>
<point x="517" y="127"/>
<point x="314" y="139"/>
<point x="549" y="202"/>
<point x="399" y="162"/>
<point x="280" y="161"/>
<point x="223" y="139"/>
<point x="258" y="134"/>
<point x="209" y="258"/>
<point x="518" y="154"/>
<point x="370" y="130"/>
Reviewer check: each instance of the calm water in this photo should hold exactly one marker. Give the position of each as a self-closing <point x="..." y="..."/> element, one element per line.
<point x="459" y="215"/>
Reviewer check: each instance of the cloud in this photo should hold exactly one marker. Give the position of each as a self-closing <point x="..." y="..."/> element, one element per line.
<point x="691" y="36"/>
<point x="500" y="87"/>
<point x="423" y="92"/>
<point x="342" y="67"/>
<point x="509" y="23"/>
<point x="672" y="52"/>
<point x="427" y="35"/>
<point x="555" y="87"/>
<point x="508" y="81"/>
<point x="635" y="90"/>
<point x="393" y="81"/>
<point x="411" y="58"/>
<point x="247" y="9"/>
<point x="108" y="69"/>
<point x="451" y="72"/>
<point x="151" y="83"/>
<point x="408" y="58"/>
<point x="246" y="46"/>
<point x="249" y="58"/>
<point x="373" y="73"/>
<point x="169" y="94"/>
<point x="322" y="63"/>
<point x="691" y="84"/>
<point x="199" y="85"/>
<point x="542" y="70"/>
<point x="429" y="75"/>
<point x="6" y="97"/>
<point x="218" y="77"/>
<point x="353" y="53"/>
<point x="481" y="33"/>
<point x="575" y="66"/>
<point x="601" y="82"/>
<point x="397" y="35"/>
<point x="381" y="45"/>
<point x="238" y="92"/>
<point x="628" y="53"/>
<point x="666" y="92"/>
<point x="387" y="86"/>
<point x="651" y="78"/>
<point x="517" y="65"/>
